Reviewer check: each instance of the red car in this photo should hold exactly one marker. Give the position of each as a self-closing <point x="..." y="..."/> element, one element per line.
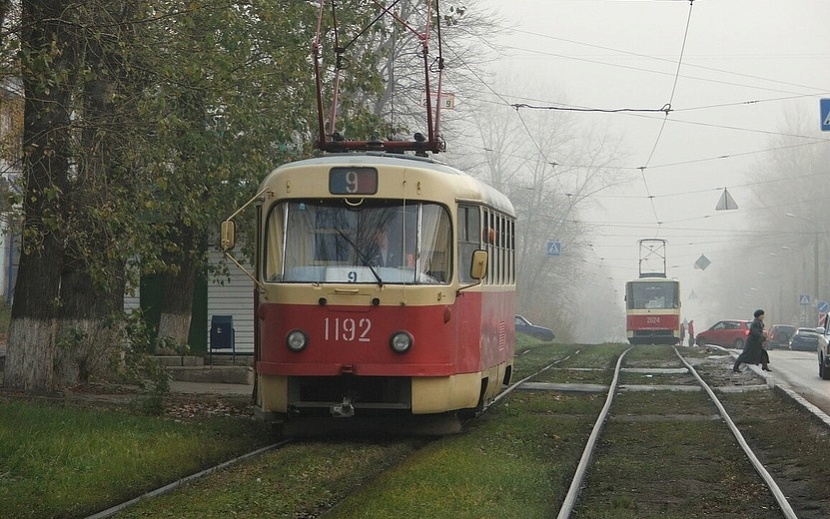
<point x="730" y="333"/>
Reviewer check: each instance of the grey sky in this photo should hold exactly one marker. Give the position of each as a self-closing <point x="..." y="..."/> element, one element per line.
<point x="746" y="65"/>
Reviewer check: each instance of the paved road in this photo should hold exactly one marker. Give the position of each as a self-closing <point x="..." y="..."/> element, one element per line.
<point x="798" y="370"/>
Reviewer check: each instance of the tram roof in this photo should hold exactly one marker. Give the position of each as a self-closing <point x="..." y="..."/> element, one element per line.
<point x="469" y="187"/>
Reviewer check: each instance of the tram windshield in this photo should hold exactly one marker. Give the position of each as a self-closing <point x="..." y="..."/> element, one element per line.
<point x="374" y="241"/>
<point x="654" y="295"/>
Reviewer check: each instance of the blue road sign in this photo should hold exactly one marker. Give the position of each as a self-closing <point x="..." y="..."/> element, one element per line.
<point x="824" y="110"/>
<point x="554" y="248"/>
<point x="823" y="306"/>
<point x="804" y="299"/>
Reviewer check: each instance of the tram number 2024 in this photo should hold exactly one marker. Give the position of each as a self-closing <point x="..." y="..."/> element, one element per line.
<point x="652" y="320"/>
<point x="347" y="329"/>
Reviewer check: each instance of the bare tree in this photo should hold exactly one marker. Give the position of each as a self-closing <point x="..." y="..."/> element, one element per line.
<point x="550" y="167"/>
<point x="781" y="254"/>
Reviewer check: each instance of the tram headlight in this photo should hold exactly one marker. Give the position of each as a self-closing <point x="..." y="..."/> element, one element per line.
<point x="296" y="340"/>
<point x="401" y="342"/>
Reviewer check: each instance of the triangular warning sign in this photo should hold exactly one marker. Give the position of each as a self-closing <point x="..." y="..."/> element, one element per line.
<point x="726" y="202"/>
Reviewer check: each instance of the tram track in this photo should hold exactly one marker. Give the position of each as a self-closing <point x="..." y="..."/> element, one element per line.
<point x="171" y="487"/>
<point x="638" y="424"/>
<point x="127" y="508"/>
<point x="589" y="452"/>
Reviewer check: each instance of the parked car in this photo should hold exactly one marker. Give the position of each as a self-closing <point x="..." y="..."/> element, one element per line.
<point x="729" y="333"/>
<point x="779" y="336"/>
<point x="805" y="339"/>
<point x="539" y="332"/>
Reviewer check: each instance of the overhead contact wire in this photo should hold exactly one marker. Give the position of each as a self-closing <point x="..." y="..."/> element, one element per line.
<point x="667" y="109"/>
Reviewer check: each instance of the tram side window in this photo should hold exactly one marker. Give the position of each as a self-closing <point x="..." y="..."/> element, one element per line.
<point x="511" y="245"/>
<point x="489" y="234"/>
<point x="469" y="239"/>
<point x="436" y="244"/>
<point x="496" y="221"/>
<point x="502" y="250"/>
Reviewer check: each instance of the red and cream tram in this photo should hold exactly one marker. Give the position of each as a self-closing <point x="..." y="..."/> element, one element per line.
<point x="652" y="308"/>
<point x="385" y="283"/>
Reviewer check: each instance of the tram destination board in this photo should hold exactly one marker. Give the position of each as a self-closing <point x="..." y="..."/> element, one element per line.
<point x="353" y="181"/>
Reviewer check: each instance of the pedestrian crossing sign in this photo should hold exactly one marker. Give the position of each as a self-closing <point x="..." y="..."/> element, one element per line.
<point x="554" y="248"/>
<point x="824" y="109"/>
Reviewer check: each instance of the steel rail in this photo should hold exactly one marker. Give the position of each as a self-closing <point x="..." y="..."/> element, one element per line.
<point x="582" y="467"/>
<point x="576" y="484"/>
<point x="109" y="512"/>
<point x="516" y="385"/>
<point x="780" y="498"/>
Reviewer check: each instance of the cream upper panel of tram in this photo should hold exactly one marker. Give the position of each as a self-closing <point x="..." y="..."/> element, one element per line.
<point x="401" y="176"/>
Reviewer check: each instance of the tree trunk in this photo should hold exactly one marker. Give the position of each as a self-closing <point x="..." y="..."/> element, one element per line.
<point x="89" y="338"/>
<point x="46" y="123"/>
<point x="93" y="279"/>
<point x="176" y="310"/>
<point x="177" y="303"/>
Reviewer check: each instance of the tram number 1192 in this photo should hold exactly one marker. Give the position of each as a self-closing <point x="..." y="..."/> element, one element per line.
<point x="347" y="329"/>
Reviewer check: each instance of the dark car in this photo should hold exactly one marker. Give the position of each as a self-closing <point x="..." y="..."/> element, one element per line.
<point x="779" y="336"/>
<point x="539" y="332"/>
<point x="804" y="339"/>
<point x="729" y="333"/>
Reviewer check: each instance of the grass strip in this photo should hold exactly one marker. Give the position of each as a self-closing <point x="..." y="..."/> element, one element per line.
<point x="515" y="461"/>
<point x="68" y="462"/>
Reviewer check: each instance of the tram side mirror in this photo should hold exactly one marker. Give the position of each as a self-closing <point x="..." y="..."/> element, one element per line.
<point x="820" y="330"/>
<point x="227" y="239"/>
<point x="478" y="265"/>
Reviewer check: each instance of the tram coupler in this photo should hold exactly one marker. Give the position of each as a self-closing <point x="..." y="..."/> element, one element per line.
<point x="344" y="409"/>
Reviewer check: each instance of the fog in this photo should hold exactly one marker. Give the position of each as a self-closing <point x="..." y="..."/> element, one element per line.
<point x="740" y="84"/>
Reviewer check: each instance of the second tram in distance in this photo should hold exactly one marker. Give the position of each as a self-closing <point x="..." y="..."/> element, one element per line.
<point x="652" y="311"/>
<point x="385" y="284"/>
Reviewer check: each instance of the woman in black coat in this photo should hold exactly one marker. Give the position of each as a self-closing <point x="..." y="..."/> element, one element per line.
<point x="754" y="352"/>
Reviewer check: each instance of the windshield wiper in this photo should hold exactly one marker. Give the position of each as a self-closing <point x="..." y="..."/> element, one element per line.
<point x="360" y="255"/>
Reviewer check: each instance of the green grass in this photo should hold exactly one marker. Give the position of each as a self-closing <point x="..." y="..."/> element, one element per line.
<point x="576" y="376"/>
<point x="514" y="461"/>
<point x="300" y="480"/>
<point x="664" y="402"/>
<point x="646" y="379"/>
<point x="531" y="356"/>
<point x="652" y="356"/>
<point x="650" y="467"/>
<point x="67" y="462"/>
